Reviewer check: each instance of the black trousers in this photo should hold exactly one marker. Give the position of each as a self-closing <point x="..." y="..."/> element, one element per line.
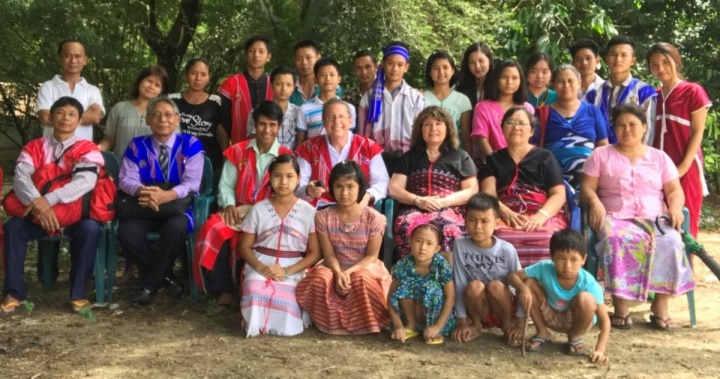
<point x="154" y="264"/>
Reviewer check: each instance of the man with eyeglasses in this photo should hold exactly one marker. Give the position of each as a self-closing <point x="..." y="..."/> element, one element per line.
<point x="159" y="172"/>
<point x="317" y="156"/>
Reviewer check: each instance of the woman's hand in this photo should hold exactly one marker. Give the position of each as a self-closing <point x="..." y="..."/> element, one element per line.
<point x="429" y="203"/>
<point x="597" y="215"/>
<point x="275" y="272"/>
<point x="534" y="222"/>
<point x="342" y="283"/>
<point x="514" y="219"/>
<point x="676" y="218"/>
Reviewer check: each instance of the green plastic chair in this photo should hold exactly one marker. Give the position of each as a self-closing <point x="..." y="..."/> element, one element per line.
<point x="201" y="211"/>
<point x="48" y="246"/>
<point x="592" y="265"/>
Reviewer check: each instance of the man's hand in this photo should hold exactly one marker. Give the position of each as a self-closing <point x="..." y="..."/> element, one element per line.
<point x="313" y="190"/>
<point x="36" y="207"/>
<point x="48" y="221"/>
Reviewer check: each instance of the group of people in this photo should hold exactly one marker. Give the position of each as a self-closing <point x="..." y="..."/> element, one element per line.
<point x="484" y="164"/>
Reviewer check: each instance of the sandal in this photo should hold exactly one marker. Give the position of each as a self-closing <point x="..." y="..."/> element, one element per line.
<point x="666" y="326"/>
<point x="577" y="348"/>
<point x="410" y="333"/>
<point x="78" y="305"/>
<point x="620" y="322"/>
<point x="541" y="341"/>
<point x="435" y="340"/>
<point x="10" y="306"/>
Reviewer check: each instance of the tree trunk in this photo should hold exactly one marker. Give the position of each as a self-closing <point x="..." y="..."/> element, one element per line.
<point x="171" y="48"/>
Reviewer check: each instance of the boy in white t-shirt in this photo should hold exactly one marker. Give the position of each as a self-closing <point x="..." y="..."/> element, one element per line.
<point x="482" y="263"/>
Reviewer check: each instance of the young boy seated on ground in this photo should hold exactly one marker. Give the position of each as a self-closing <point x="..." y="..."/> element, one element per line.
<point x="482" y="263"/>
<point x="559" y="294"/>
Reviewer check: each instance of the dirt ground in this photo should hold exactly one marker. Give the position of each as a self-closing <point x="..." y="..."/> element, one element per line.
<point x="174" y="339"/>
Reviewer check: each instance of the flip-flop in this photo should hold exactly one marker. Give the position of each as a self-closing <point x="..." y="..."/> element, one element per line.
<point x="654" y="320"/>
<point x="536" y="339"/>
<point x="626" y="321"/>
<point x="410" y="333"/>
<point x="78" y="305"/>
<point x="6" y="307"/>
<point x="435" y="341"/>
<point x="577" y="348"/>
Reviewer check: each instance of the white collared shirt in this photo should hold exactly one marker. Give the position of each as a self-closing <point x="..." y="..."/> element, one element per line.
<point x="84" y="92"/>
<point x="377" y="183"/>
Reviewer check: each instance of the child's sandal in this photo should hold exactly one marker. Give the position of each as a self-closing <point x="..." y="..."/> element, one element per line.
<point x="435" y="340"/>
<point x="541" y="341"/>
<point x="577" y="348"/>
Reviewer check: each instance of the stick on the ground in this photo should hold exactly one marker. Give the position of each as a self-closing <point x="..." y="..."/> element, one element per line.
<point x="527" y="321"/>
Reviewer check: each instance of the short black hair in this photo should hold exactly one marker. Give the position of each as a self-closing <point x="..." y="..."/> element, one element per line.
<point x="281" y="70"/>
<point x="70" y="40"/>
<point x="536" y="58"/>
<point x="348" y="170"/>
<point x="322" y="62"/>
<point x="483" y="202"/>
<point x="149" y="71"/>
<point x="436" y="55"/>
<point x="306" y="43"/>
<point x="192" y="62"/>
<point x="492" y="88"/>
<point x="67" y="100"/>
<point x="621" y="40"/>
<point x="568" y="239"/>
<point x="268" y="109"/>
<point x="365" y="53"/>
<point x="584" y="43"/>
<point x="259" y="38"/>
<point x="631" y="108"/>
<point x="284" y="158"/>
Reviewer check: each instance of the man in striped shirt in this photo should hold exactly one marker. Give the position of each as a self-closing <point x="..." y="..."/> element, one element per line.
<point x="388" y="110"/>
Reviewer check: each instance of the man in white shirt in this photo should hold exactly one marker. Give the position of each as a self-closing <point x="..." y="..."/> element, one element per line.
<point x="72" y="58"/>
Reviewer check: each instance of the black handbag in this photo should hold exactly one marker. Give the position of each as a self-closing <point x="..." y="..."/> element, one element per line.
<point x="128" y="206"/>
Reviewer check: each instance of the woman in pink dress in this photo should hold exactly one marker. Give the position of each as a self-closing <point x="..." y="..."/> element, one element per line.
<point x="505" y="88"/>
<point x="626" y="186"/>
<point x="682" y="109"/>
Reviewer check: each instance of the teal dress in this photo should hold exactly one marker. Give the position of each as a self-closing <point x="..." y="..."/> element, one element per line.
<point x="427" y="289"/>
<point x="546" y="98"/>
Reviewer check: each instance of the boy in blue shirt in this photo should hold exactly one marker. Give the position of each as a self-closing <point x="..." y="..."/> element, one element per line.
<point x="560" y="295"/>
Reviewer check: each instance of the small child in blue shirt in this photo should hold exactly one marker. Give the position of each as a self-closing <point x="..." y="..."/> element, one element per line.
<point x="559" y="294"/>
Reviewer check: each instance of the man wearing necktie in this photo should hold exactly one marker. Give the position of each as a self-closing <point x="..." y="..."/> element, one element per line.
<point x="158" y="169"/>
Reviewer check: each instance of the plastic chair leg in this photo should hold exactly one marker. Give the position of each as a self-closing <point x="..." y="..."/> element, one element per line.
<point x="194" y="292"/>
<point x="100" y="265"/>
<point x="46" y="250"/>
<point x="111" y="261"/>
<point x="691" y="307"/>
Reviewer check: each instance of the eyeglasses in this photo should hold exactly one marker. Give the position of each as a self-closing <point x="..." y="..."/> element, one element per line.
<point x="513" y="123"/>
<point x="160" y="115"/>
<point x="336" y="118"/>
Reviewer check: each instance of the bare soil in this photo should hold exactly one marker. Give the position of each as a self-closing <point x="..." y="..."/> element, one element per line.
<point x="174" y="339"/>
